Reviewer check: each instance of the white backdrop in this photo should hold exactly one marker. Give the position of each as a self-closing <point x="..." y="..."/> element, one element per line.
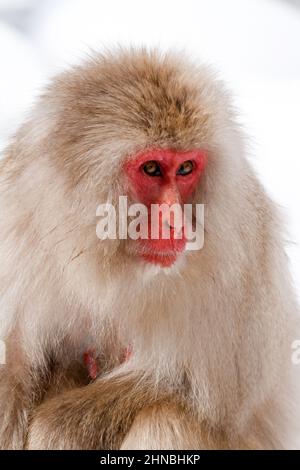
<point x="253" y="43"/>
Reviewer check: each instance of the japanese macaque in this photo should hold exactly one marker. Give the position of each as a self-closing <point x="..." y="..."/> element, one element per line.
<point x="184" y="349"/>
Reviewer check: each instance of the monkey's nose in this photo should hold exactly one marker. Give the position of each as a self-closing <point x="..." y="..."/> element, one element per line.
<point x="170" y="197"/>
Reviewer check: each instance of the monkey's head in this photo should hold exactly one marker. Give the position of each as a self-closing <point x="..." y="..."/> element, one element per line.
<point x="147" y="126"/>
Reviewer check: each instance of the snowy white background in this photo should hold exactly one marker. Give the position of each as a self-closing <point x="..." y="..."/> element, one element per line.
<point x="255" y="44"/>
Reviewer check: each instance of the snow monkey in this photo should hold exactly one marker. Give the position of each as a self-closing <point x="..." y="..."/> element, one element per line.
<point x="184" y="349"/>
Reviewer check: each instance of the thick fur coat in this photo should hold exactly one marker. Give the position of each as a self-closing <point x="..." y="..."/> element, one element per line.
<point x="211" y="336"/>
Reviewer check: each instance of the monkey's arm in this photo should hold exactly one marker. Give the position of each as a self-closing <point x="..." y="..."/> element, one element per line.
<point x="96" y="416"/>
<point x="18" y="392"/>
<point x="16" y="400"/>
<point x="22" y="388"/>
<point x="119" y="412"/>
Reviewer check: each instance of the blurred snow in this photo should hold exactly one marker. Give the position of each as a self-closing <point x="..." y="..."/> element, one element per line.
<point x="241" y="37"/>
<point x="253" y="43"/>
<point x="20" y="74"/>
<point x="271" y="116"/>
<point x="12" y="4"/>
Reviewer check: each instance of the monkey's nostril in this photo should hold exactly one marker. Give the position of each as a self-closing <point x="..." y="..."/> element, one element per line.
<point x="174" y="223"/>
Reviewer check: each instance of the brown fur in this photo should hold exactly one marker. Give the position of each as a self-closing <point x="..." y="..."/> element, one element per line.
<point x="110" y="415"/>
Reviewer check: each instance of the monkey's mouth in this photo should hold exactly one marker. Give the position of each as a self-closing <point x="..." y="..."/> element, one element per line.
<point x="164" y="260"/>
<point x="162" y="252"/>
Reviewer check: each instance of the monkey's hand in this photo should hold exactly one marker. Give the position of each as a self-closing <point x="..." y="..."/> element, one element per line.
<point x="96" y="416"/>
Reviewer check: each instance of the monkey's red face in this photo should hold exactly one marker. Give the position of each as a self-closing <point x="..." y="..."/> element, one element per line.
<point x="160" y="176"/>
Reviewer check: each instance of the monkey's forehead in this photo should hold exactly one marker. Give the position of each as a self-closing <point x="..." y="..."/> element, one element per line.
<point x="166" y="99"/>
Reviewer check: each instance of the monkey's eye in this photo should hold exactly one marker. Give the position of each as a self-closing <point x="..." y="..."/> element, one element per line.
<point x="152" y="168"/>
<point x="186" y="168"/>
